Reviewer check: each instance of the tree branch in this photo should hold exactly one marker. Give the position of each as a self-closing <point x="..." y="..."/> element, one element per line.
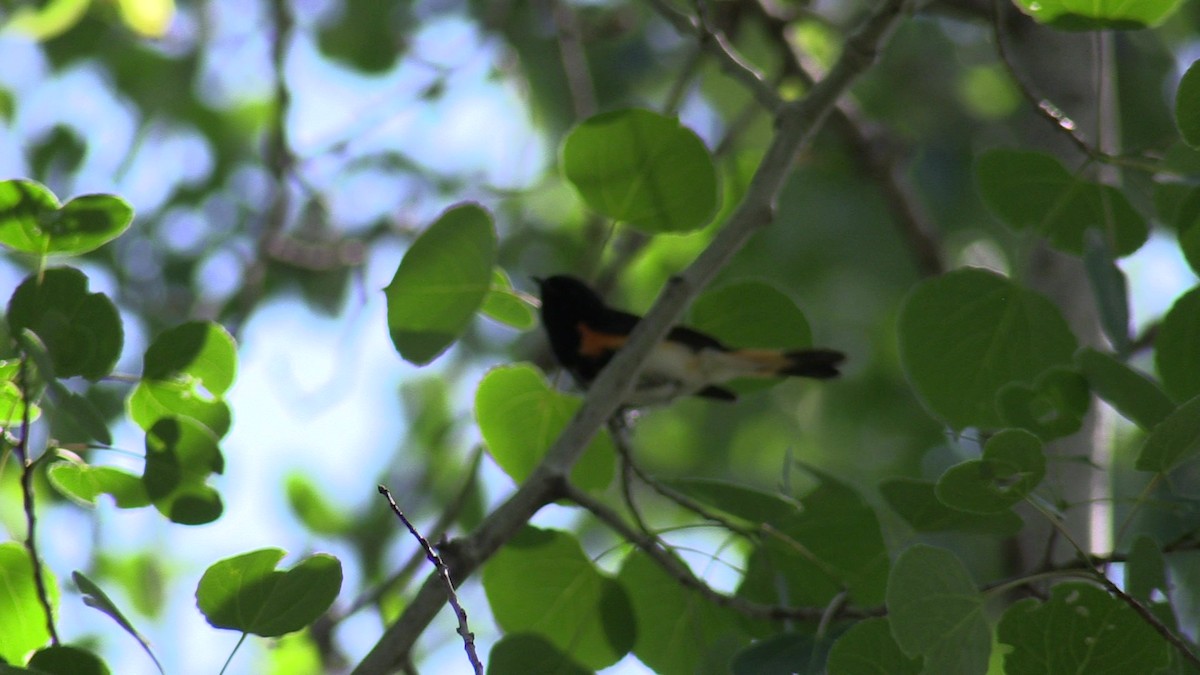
<point x="797" y="124"/>
<point x="464" y="630"/>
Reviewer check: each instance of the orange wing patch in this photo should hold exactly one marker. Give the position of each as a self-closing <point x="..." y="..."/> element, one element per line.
<point x="594" y="343"/>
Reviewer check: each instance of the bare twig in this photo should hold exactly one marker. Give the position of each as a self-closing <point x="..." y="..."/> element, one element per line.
<point x="463" y="629"/>
<point x="797" y="124"/>
<point x="22" y="452"/>
<point x="716" y="44"/>
<point x="658" y="552"/>
<point x="574" y="59"/>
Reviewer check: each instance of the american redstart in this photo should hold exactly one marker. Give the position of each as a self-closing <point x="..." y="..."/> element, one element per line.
<point x="584" y="334"/>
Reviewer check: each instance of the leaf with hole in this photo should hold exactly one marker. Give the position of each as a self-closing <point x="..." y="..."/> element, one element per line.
<point x="1013" y="464"/>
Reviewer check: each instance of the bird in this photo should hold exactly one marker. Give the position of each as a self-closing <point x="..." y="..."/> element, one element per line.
<point x="584" y="334"/>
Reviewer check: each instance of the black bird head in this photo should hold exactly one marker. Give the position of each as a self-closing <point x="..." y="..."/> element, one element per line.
<point x="566" y="302"/>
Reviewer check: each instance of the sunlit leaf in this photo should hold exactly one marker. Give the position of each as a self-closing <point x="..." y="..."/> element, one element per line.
<point x="150" y="18"/>
<point x="94" y="596"/>
<point x="32" y="220"/>
<point x="507" y="305"/>
<point x="520" y="417"/>
<point x="642" y="168"/>
<point x="22" y="621"/>
<point x="1099" y="14"/>
<point x="441" y="283"/>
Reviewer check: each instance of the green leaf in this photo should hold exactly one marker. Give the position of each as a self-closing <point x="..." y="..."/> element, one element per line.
<point x="916" y="502"/>
<point x="783" y="653"/>
<point x="82" y="412"/>
<point x="1099" y="14"/>
<point x="677" y="630"/>
<point x="520" y="653"/>
<point x="185" y="373"/>
<point x="1033" y="190"/>
<point x="1145" y="569"/>
<point x="22" y="619"/>
<point x="12" y="405"/>
<point x="868" y="648"/>
<point x="642" y="168"/>
<point x="83" y="484"/>
<point x="310" y="506"/>
<point x="936" y="612"/>
<point x="32" y="221"/>
<point x="1052" y="408"/>
<point x="506" y="305"/>
<point x="520" y="417"/>
<point x="967" y="334"/>
<point x="1187" y="105"/>
<point x="180" y="456"/>
<point x="1175" y="354"/>
<point x="95" y="597"/>
<point x="82" y="331"/>
<point x="541" y="582"/>
<point x="1013" y="464"/>
<point x="1110" y="289"/>
<point x="1080" y="629"/>
<point x="752" y="314"/>
<point x="1132" y="393"/>
<point x="67" y="660"/>
<point x="246" y="593"/>
<point x="746" y="503"/>
<point x="1174" y="441"/>
<point x="441" y="283"/>
<point x="832" y="543"/>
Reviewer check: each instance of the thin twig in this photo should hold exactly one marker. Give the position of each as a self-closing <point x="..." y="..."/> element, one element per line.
<point x="716" y="44"/>
<point x="22" y="451"/>
<point x="464" y="630"/>
<point x="1159" y="627"/>
<point x="657" y="551"/>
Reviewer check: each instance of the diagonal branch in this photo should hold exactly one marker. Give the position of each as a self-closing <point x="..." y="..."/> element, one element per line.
<point x="796" y="125"/>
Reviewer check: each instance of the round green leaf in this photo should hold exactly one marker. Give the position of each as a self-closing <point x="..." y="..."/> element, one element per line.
<point x="82" y="331"/>
<point x="917" y="503"/>
<point x="868" y="648"/>
<point x="441" y="282"/>
<point x="677" y="630"/>
<point x="1174" y="441"/>
<point x="32" y="221"/>
<point x="541" y="582"/>
<point x="22" y="619"/>
<point x="936" y="612"/>
<point x="1013" y="464"/>
<point x="642" y="168"/>
<point x="1132" y="393"/>
<point x="966" y="335"/>
<point x="1033" y="190"/>
<point x="312" y="508"/>
<point x="520" y="417"/>
<point x="246" y="593"/>
<point x="1092" y="632"/>
<point x="506" y="305"/>
<point x="1099" y="14"/>
<point x="1176" y="352"/>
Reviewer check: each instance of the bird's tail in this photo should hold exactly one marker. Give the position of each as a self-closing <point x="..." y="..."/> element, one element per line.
<point x="821" y="364"/>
